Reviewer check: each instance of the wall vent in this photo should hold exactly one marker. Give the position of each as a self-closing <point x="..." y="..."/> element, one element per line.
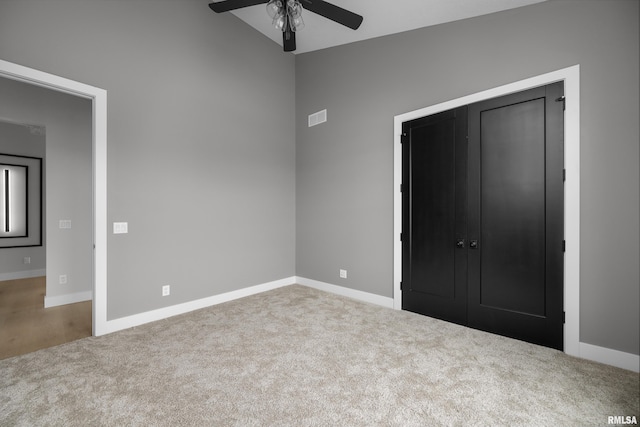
<point x="317" y="118"/>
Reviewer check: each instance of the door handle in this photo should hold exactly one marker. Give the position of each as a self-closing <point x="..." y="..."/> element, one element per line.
<point x="473" y="244"/>
<point x="460" y="243"/>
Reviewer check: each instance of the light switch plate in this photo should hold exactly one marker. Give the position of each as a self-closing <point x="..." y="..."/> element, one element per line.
<point x="120" y="227"/>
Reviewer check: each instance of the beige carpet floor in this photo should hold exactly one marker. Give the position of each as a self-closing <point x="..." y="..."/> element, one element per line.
<point x="300" y="357"/>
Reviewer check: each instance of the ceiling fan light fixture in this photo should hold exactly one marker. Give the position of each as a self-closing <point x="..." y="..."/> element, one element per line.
<point x="274" y="7"/>
<point x="296" y="22"/>
<point x="280" y="21"/>
<point x="286" y="15"/>
<point x="294" y="8"/>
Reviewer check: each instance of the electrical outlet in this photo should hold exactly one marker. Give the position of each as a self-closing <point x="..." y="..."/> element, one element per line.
<point x="343" y="274"/>
<point x="26" y="260"/>
<point x="62" y="279"/>
<point x="166" y="290"/>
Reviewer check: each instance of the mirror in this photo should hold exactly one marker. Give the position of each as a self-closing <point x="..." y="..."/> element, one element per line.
<point x="20" y="186"/>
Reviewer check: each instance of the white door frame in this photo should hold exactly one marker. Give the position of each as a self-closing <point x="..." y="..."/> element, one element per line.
<point x="99" y="145"/>
<point x="571" y="78"/>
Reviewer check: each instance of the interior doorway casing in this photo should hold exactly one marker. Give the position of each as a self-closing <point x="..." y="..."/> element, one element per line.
<point x="571" y="78"/>
<point x="99" y="149"/>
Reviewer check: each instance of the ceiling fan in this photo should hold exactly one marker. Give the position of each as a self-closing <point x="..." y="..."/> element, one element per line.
<point x="287" y="15"/>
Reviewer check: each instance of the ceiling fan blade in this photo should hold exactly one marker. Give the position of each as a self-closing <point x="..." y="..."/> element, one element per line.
<point x="333" y="12"/>
<point x="227" y="5"/>
<point x="289" y="41"/>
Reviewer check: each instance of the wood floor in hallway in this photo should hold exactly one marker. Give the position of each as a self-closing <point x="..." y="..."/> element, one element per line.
<point x="26" y="326"/>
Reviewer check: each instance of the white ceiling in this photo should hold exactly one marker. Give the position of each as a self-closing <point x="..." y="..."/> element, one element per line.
<point x="381" y="17"/>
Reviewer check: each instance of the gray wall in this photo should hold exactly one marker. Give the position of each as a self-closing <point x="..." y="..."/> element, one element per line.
<point x="17" y="138"/>
<point x="344" y="167"/>
<point x="216" y="181"/>
<point x="67" y="120"/>
<point x="201" y="139"/>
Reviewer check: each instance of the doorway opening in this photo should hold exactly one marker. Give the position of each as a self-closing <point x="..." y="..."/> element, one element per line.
<point x="98" y="99"/>
<point x="571" y="274"/>
<point x="46" y="257"/>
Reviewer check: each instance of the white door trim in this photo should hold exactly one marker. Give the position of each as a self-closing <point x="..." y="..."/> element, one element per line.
<point x="99" y="136"/>
<point x="571" y="78"/>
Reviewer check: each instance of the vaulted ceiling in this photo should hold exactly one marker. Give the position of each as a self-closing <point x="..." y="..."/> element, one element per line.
<point x="380" y="18"/>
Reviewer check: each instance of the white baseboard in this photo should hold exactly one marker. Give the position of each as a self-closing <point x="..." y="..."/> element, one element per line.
<point x="591" y="352"/>
<point x="23" y="274"/>
<point x="346" y="292"/>
<point x="67" y="299"/>
<point x="611" y="357"/>
<point x="587" y="351"/>
<point x="174" y="310"/>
